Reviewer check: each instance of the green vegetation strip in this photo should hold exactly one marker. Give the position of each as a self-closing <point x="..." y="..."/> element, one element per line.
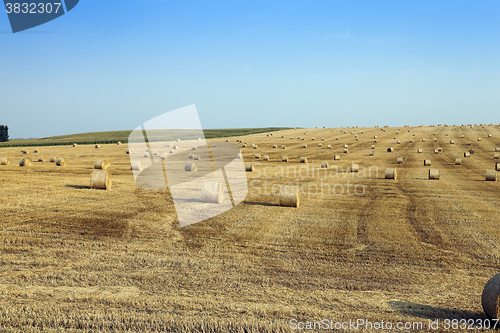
<point x="122" y="136"/>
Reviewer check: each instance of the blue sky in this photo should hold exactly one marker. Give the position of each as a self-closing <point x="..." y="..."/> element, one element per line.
<point x="112" y="65"/>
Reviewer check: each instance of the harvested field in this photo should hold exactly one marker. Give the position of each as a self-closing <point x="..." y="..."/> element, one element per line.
<point x="400" y="250"/>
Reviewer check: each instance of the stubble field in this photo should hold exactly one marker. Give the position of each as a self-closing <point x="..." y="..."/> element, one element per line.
<point x="407" y="250"/>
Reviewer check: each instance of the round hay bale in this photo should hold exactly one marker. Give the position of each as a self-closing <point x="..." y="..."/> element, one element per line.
<point x="440" y="149"/>
<point x="370" y="153"/>
<point x="427" y="162"/>
<point x="469" y="143"/>
<point x="372" y="147"/>
<point x="4" y="161"/>
<point x="458" y="161"/>
<point x="97" y="146"/>
<point x="445" y="134"/>
<point x="244" y="145"/>
<point x="25" y="162"/>
<point x="191" y="167"/>
<point x="275" y="146"/>
<point x="284" y="159"/>
<point x="478" y="139"/>
<point x="118" y="143"/>
<point x="136" y="166"/>
<point x="489" y="136"/>
<point x="491" y="175"/>
<point x="53" y="159"/>
<point x="375" y="137"/>
<point x="398" y="142"/>
<point x="171" y="151"/>
<point x="303" y="159"/>
<point x="164" y="156"/>
<point x="100" y="180"/>
<point x="496" y="156"/>
<point x="257" y="156"/>
<point x="75" y="145"/>
<point x="329" y="147"/>
<point x="249" y="167"/>
<point x="177" y="147"/>
<point x="61" y="162"/>
<point x="462" y="136"/>
<point x="346" y="146"/>
<point x="324" y="165"/>
<point x="466" y="154"/>
<point x="194" y="148"/>
<point x="178" y="140"/>
<point x="289" y="196"/>
<point x="390" y="173"/>
<point x="336" y="157"/>
<point x="37" y="151"/>
<point x="436" y="151"/>
<point x="255" y="147"/>
<point x="196" y="157"/>
<point x="102" y="164"/>
<point x="304" y="146"/>
<point x="419" y="151"/>
<point x="265" y="158"/>
<point x="411" y="141"/>
<point x="434" y="174"/>
<point x="320" y="145"/>
<point x="375" y="141"/>
<point x="413" y="134"/>
<point x="146" y="154"/>
<point x="336" y="138"/>
<point x="497" y="166"/>
<point x="190" y="156"/>
<point x="346" y="150"/>
<point x="322" y="139"/>
<point x="155" y="153"/>
<point x="131" y="150"/>
<point x="312" y="139"/>
<point x="497" y="148"/>
<point x="390" y="150"/>
<point x="471" y="151"/>
<point x="423" y="140"/>
<point x="25" y="151"/>
<point x="283" y="147"/>
<point x="354" y="168"/>
<point x="212" y="192"/>
<point x="452" y="142"/>
<point x="41" y="159"/>
<point x="435" y="140"/>
<point x="400" y="160"/>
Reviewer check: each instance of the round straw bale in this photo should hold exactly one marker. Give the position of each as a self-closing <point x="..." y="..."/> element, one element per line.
<point x="212" y="192"/>
<point x="136" y="166"/>
<point x="411" y="141"/>
<point x="283" y="147"/>
<point x="4" y="161"/>
<point x="102" y="164"/>
<point x="61" y="162"/>
<point x="194" y="148"/>
<point x="329" y="147"/>
<point x="284" y="159"/>
<point x="445" y="134"/>
<point x="282" y="136"/>
<point x="497" y="148"/>
<point x="346" y="146"/>
<point x="336" y="157"/>
<point x="496" y="156"/>
<point x="390" y="149"/>
<point x="289" y="196"/>
<point x="25" y="151"/>
<point x="171" y="151"/>
<point x="471" y="151"/>
<point x="458" y="161"/>
<point x="131" y="150"/>
<point x="466" y="154"/>
<point x="375" y="141"/>
<point x="370" y="153"/>
<point x="434" y="174"/>
<point x="491" y="175"/>
<point x="146" y="154"/>
<point x="435" y="140"/>
<point x="469" y="143"/>
<point x="375" y="137"/>
<point x="257" y="156"/>
<point x="119" y="143"/>
<point x="354" y="168"/>
<point x="372" y="147"/>
<point x="336" y="138"/>
<point x="291" y="138"/>
<point x="164" y="156"/>
<point x="440" y="149"/>
<point x="190" y="156"/>
<point x="398" y="142"/>
<point x="244" y="145"/>
<point x="191" y="166"/>
<point x="97" y="146"/>
<point x="400" y="160"/>
<point x="37" y="151"/>
<point x="312" y="139"/>
<point x="25" y="162"/>
<point x="436" y="151"/>
<point x="178" y="140"/>
<point x="419" y="151"/>
<point x="427" y="162"/>
<point x="304" y="146"/>
<point x="175" y="147"/>
<point x="489" y="136"/>
<point x="346" y="150"/>
<point x="196" y="157"/>
<point x="41" y="159"/>
<point x="462" y="136"/>
<point x="322" y="139"/>
<point x="324" y="164"/>
<point x="265" y="158"/>
<point x="255" y="147"/>
<point x="303" y="159"/>
<point x="413" y="134"/>
<point x="452" y="142"/>
<point x="478" y="139"/>
<point x="275" y="146"/>
<point x="100" y="180"/>
<point x="497" y="166"/>
<point x="320" y="145"/>
<point x="249" y="167"/>
<point x="155" y="153"/>
<point x="75" y="144"/>
<point x="423" y="140"/>
<point x="390" y="173"/>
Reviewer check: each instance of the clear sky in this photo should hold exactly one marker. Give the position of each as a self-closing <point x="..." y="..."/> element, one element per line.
<point x="112" y="65"/>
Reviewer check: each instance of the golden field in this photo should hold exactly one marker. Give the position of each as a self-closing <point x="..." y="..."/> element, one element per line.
<point x="75" y="259"/>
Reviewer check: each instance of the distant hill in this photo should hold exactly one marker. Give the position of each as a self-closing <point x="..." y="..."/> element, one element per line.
<point x="115" y="136"/>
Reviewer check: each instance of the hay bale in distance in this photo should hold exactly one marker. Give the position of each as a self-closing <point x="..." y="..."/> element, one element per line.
<point x="275" y="146"/>
<point x="354" y="168"/>
<point x="304" y="146"/>
<point x="346" y="150"/>
<point x="97" y="146"/>
<point x="466" y="154"/>
<point x="102" y="164"/>
<point x="100" y="180"/>
<point x="303" y="159"/>
<point x="212" y="192"/>
<point x="289" y="196"/>
<point x="452" y="142"/>
<point x="478" y="139"/>
<point x="190" y="156"/>
<point x="336" y="157"/>
<point x="136" y="166"/>
<point x="329" y="147"/>
<point x="370" y="153"/>
<point x="41" y="159"/>
<point x="419" y="151"/>
<point x="191" y="167"/>
<point x="4" y="161"/>
<point x="265" y="158"/>
<point x="249" y="167"/>
<point x="25" y="151"/>
<point x="434" y="174"/>
<point x="324" y="165"/>
<point x="118" y="143"/>
<point x="491" y="175"/>
<point x="284" y="159"/>
<point x="75" y="145"/>
<point x="25" y="162"/>
<point x="427" y="162"/>
<point x="458" y="161"/>
<point x="257" y="156"/>
<point x="37" y="151"/>
<point x="423" y="140"/>
<point x="497" y="166"/>
<point x="496" y="156"/>
<point x="400" y="160"/>
<point x="390" y="173"/>
<point x="196" y="157"/>
<point x="390" y="150"/>
<point x="283" y="147"/>
<point x="61" y="162"/>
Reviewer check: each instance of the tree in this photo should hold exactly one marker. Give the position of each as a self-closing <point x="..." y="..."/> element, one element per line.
<point x="4" y="133"/>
